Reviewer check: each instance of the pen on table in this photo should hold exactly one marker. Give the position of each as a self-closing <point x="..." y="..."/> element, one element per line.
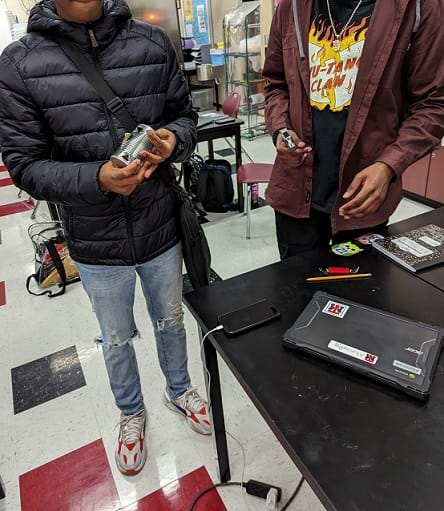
<point x="339" y="277"/>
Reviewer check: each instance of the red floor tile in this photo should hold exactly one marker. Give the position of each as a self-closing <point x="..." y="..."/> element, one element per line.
<point x="179" y="495"/>
<point x="6" y="182"/>
<point x="15" y="207"/>
<point x="2" y="294"/>
<point x="80" y="481"/>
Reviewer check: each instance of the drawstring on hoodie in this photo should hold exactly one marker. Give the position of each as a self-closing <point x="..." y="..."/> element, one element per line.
<point x="297" y="27"/>
<point x="92" y="36"/>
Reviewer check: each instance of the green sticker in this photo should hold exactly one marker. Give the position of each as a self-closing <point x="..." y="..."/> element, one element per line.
<point x="347" y="249"/>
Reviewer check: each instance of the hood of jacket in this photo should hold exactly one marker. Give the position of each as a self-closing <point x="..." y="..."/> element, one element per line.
<point x="45" y="19"/>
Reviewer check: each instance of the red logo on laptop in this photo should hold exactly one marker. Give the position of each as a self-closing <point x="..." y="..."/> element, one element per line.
<point x="371" y="359"/>
<point x="338" y="310"/>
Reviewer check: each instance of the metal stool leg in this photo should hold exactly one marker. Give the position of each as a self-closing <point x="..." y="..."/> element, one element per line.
<point x="248" y="199"/>
<point x="245" y="193"/>
<point x="36" y="208"/>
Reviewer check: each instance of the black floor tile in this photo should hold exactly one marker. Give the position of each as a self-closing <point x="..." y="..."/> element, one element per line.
<point x="224" y="152"/>
<point x="45" y="379"/>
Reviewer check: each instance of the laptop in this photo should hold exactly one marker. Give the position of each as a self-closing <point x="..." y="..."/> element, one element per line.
<point x="391" y="349"/>
<point x="205" y="119"/>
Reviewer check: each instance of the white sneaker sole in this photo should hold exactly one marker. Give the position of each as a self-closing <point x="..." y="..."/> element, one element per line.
<point x="137" y="469"/>
<point x="172" y="407"/>
<point x="140" y="464"/>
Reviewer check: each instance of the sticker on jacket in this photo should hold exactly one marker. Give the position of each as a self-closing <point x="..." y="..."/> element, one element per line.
<point x="369" y="358"/>
<point x="338" y="310"/>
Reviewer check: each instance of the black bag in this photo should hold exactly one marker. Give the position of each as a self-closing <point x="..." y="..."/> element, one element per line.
<point x="211" y="183"/>
<point x="196" y="252"/>
<point x="216" y="191"/>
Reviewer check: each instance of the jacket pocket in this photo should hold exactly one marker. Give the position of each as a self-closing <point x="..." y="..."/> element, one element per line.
<point x="289" y="58"/>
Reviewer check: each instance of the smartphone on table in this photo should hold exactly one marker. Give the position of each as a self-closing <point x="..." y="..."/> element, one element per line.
<point x="249" y="317"/>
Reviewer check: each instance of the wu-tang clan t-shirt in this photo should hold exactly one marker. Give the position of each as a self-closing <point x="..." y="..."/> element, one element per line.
<point x="334" y="65"/>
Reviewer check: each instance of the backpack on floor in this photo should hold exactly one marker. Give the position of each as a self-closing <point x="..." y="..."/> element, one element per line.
<point x="215" y="190"/>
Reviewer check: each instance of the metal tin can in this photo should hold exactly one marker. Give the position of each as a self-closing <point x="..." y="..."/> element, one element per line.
<point x="131" y="147"/>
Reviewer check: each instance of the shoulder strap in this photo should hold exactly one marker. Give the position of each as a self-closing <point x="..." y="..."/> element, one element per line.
<point x="58" y="263"/>
<point x="202" y="186"/>
<point x="219" y="187"/>
<point x="96" y="79"/>
<point x="418" y="17"/>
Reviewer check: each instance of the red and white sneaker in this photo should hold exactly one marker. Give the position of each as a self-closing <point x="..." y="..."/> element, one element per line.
<point x="193" y="408"/>
<point x="131" y="452"/>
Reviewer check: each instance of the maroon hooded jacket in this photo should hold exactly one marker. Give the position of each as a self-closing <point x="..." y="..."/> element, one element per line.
<point x="397" y="111"/>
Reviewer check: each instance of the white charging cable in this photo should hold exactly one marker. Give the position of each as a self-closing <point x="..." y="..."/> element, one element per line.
<point x="272" y="497"/>
<point x="219" y="328"/>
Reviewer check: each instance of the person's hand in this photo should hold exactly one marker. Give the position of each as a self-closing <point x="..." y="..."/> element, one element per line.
<point x="122" y="180"/>
<point x="286" y="156"/>
<point x="369" y="189"/>
<point x="164" y="142"/>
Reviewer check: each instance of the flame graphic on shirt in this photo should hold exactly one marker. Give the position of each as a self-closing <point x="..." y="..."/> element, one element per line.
<point x="333" y="72"/>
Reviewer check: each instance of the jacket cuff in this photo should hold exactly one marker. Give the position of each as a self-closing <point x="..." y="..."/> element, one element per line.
<point x="276" y="134"/>
<point x="276" y="124"/>
<point x="108" y="195"/>
<point x="395" y="159"/>
<point x="89" y="183"/>
<point x="180" y="145"/>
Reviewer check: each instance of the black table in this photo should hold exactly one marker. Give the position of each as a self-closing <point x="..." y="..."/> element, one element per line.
<point x="361" y="446"/>
<point x="213" y="131"/>
<point x="434" y="276"/>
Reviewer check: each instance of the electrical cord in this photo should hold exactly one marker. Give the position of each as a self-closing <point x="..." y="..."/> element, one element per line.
<point x="211" y="488"/>
<point x="294" y="495"/>
<point x="232" y="483"/>
<point x="242" y="483"/>
<point x="219" y="328"/>
<point x="244" y="465"/>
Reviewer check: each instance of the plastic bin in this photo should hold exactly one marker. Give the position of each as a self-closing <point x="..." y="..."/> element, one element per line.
<point x="203" y="98"/>
<point x="217" y="57"/>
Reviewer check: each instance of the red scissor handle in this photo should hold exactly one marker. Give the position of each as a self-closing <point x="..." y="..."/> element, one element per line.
<point x="340" y="270"/>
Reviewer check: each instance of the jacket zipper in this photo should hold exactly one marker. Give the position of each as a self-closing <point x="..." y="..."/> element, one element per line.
<point x="126" y="200"/>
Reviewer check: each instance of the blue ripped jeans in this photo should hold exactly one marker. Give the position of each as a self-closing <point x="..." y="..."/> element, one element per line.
<point x="111" y="290"/>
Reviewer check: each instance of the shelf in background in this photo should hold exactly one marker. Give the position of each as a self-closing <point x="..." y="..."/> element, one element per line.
<point x="245" y="83"/>
<point x="243" y="54"/>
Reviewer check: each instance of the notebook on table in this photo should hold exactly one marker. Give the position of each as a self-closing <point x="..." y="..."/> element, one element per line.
<point x="385" y="347"/>
<point x="415" y="250"/>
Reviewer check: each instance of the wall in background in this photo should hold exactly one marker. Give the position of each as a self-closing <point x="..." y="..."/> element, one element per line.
<point x="5" y="34"/>
<point x="19" y="8"/>
<point x="219" y="9"/>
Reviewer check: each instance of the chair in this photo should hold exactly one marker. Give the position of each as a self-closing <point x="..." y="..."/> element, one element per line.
<point x="231" y="107"/>
<point x="232" y="104"/>
<point x="247" y="175"/>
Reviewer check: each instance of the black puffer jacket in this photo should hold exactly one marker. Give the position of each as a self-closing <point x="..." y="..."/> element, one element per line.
<point x="55" y="132"/>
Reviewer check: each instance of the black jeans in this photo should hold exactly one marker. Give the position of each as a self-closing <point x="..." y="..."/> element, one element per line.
<point x="300" y="235"/>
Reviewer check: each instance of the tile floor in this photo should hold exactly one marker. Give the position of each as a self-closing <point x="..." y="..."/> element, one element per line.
<point x="57" y="416"/>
